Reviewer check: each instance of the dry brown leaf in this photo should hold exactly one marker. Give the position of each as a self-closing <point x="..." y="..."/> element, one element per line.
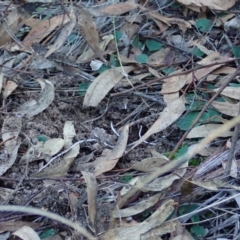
<point x="134" y="232"/>
<point x="161" y="58"/>
<point x="213" y="4"/>
<point x="88" y="55"/>
<point x="44" y="28"/>
<point x="34" y="107"/>
<point x="14" y="21"/>
<point x="166" y="227"/>
<point x="227" y="108"/>
<point x="176" y="83"/>
<point x="9" y="87"/>
<point x="119" y="8"/>
<point x="66" y="31"/>
<point x="108" y="162"/>
<point x="204" y="130"/>
<point x="26" y="233"/>
<point x="224" y="70"/>
<point x="103" y="84"/>
<point x="138" y="207"/>
<point x="182" y="24"/>
<point x="89" y="32"/>
<point x="112" y="10"/>
<point x="169" y="115"/>
<point x="150" y="164"/>
<point x="92" y="198"/>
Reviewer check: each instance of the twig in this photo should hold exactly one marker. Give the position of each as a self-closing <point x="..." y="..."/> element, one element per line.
<point x="203" y="110"/>
<point x="172" y="75"/>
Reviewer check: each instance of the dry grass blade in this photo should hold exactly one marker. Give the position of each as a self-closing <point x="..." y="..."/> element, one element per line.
<point x="92" y="198"/>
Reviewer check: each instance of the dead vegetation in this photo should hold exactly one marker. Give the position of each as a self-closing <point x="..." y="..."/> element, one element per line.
<point x="118" y="120"/>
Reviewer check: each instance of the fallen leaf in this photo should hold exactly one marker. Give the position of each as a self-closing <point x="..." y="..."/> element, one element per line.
<point x="34" y="107"/>
<point x="169" y="115"/>
<point x="9" y="87"/>
<point x="26" y="233"/>
<point x="215" y="5"/>
<point x="134" y="232"/>
<point x="204" y="130"/>
<point x="227" y="108"/>
<point x="103" y="84"/>
<point x="89" y="32"/>
<point x="108" y="162"/>
<point x="44" y="28"/>
<point x="138" y="207"/>
<point x="232" y="92"/>
<point x="65" y="33"/>
<point x="43" y="150"/>
<point x="92" y="198"/>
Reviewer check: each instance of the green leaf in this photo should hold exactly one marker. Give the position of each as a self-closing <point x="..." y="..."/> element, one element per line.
<point x="48" y="233"/>
<point x="198" y="231"/>
<point x="42" y="138"/>
<point x="182" y="150"/>
<point x="203" y="24"/>
<point x="197" y="52"/>
<point x="214" y="115"/>
<point x="184" y="209"/>
<point x="72" y="38"/>
<point x="103" y="68"/>
<point x="82" y="88"/>
<point x="118" y="35"/>
<point x="126" y="177"/>
<point x="153" y="45"/>
<point x="135" y="41"/>
<point x="114" y="61"/>
<point x="142" y="58"/>
<point x="234" y="85"/>
<point x="186" y="121"/>
<point x="168" y="70"/>
<point x="236" y="51"/>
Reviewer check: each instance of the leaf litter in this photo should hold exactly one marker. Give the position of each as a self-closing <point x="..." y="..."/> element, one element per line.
<point x="83" y="138"/>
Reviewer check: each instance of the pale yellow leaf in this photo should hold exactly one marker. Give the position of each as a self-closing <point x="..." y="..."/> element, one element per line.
<point x="212" y="4"/>
<point x="92" y="197"/>
<point x="205" y="130"/>
<point x="103" y="84"/>
<point x="232" y="92"/>
<point x="169" y="115"/>
<point x="227" y="108"/>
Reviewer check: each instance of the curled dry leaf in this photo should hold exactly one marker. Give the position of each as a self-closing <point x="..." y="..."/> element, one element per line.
<point x="103" y="84"/>
<point x="166" y="227"/>
<point x="44" y="28"/>
<point x="92" y="198"/>
<point x="135" y="231"/>
<point x="169" y="115"/>
<point x="34" y="107"/>
<point x="138" y="207"/>
<point x="108" y="162"/>
<point x="216" y="4"/>
<point x="26" y="233"/>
